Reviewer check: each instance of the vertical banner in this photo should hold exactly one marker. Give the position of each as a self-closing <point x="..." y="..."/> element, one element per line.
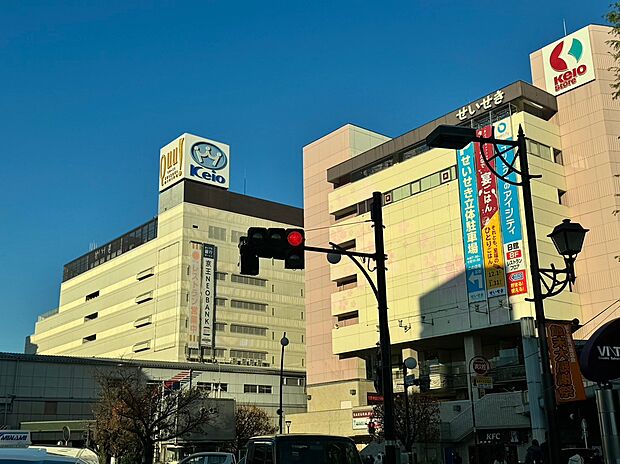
<point x="512" y="231"/>
<point x="488" y="202"/>
<point x="208" y="295"/>
<point x="567" y="380"/>
<point x="474" y="271"/>
<point x="195" y="282"/>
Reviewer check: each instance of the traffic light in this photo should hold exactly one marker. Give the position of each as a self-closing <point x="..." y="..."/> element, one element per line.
<point x="276" y="243"/>
<point x="247" y="257"/>
<point x="294" y="258"/>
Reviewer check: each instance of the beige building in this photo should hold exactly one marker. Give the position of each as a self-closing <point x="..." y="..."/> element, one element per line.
<point x="152" y="293"/>
<point x="438" y="309"/>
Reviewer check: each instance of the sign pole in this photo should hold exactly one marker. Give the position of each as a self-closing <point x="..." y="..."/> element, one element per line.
<point x="607" y="419"/>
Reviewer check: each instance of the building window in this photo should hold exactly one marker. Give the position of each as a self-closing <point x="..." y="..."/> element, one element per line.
<point x="239" y="279"/>
<point x="294" y="381"/>
<point x="249" y="305"/>
<point x="248" y="330"/>
<point x="91" y="317"/>
<point x="235" y="235"/>
<point x="220" y="276"/>
<point x="557" y="156"/>
<point x="257" y="388"/>
<point x="142" y="346"/>
<point x="219" y="352"/>
<point x="350" y="318"/>
<point x="220" y="326"/>
<point x="142" y="322"/>
<point x="145" y="274"/>
<point x="220" y="302"/>
<point x="90" y="338"/>
<point x="346" y="283"/>
<point x="244" y="354"/>
<point x="148" y="296"/>
<point x="217" y="233"/>
<point x="92" y="296"/>
<point x="50" y="408"/>
<point x="345" y="213"/>
<point x="561" y="197"/>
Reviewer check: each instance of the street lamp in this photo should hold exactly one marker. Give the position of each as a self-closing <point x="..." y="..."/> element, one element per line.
<point x="288" y="426"/>
<point x="408" y="363"/>
<point x="284" y="342"/>
<point x="567" y="237"/>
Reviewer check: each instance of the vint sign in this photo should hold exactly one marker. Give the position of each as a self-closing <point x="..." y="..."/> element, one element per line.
<point x="195" y="158"/>
<point x="568" y="62"/>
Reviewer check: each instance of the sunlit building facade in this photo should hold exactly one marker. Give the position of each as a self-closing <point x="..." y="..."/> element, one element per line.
<point x="445" y="305"/>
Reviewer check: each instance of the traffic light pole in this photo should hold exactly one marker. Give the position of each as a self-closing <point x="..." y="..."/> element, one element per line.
<point x="389" y="431"/>
<point x="249" y="266"/>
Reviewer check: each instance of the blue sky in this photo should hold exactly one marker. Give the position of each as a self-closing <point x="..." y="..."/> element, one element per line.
<point x="92" y="90"/>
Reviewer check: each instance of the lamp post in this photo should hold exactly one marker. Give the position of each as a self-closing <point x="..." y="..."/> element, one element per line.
<point x="288" y="426"/>
<point x="409" y="363"/>
<point x="284" y="342"/>
<point x="567" y="237"/>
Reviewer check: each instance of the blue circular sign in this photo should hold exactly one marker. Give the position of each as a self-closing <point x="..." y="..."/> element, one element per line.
<point x="209" y="156"/>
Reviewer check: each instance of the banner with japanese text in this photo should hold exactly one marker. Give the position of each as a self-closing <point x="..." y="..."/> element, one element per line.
<point x="195" y="282"/>
<point x="470" y="222"/>
<point x="567" y="380"/>
<point x="208" y="295"/>
<point x="512" y="231"/>
<point x="488" y="203"/>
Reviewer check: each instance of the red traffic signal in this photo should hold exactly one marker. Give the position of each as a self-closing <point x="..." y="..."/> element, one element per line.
<point x="295" y="238"/>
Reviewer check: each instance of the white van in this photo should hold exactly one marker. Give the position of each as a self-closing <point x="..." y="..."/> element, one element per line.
<point x="16" y="448"/>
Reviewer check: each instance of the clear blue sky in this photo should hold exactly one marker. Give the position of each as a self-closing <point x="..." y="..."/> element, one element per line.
<point x="91" y="91"/>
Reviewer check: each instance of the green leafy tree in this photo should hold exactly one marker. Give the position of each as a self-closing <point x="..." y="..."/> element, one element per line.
<point x="423" y="419"/>
<point x="133" y="414"/>
<point x="613" y="17"/>
<point x="250" y="421"/>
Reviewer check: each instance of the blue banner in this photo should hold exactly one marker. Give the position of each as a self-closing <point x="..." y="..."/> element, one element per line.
<point x="470" y="221"/>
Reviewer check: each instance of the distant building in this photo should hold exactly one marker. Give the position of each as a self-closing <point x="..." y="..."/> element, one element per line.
<point x="45" y="393"/>
<point x="446" y="303"/>
<point x="170" y="289"/>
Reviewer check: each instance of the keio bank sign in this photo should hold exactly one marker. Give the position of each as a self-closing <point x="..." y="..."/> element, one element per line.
<point x="195" y="158"/>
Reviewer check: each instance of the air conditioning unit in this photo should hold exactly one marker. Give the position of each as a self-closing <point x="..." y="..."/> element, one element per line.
<point x="248" y="362"/>
<point x="239" y="361"/>
<point x="233" y="360"/>
<point x="257" y="363"/>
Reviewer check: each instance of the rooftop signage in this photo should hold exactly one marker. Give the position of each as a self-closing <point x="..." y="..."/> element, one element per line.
<point x="568" y="62"/>
<point x="194" y="158"/>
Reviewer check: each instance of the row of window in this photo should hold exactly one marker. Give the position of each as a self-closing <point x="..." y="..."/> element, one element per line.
<point x="249" y="305"/>
<point x="219" y="233"/>
<point x="241" y="279"/>
<point x="544" y="151"/>
<point x="404" y="191"/>
<point x="246" y="354"/>
<point x="212" y="386"/>
<point x="127" y="242"/>
<point x="256" y="388"/>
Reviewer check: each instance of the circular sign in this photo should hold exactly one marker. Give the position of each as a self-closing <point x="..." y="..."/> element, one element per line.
<point x="600" y="357"/>
<point x="209" y="156"/>
<point x="66" y="433"/>
<point x="480" y="365"/>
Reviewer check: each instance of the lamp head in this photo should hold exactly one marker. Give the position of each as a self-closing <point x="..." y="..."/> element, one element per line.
<point x="568" y="238"/>
<point x="453" y="137"/>
<point x="284" y="341"/>
<point x="410" y="363"/>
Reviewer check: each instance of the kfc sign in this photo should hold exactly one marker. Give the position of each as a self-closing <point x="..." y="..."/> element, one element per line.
<point x="568" y="62"/>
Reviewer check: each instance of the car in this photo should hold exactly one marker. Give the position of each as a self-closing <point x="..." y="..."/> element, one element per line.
<point x="588" y="454"/>
<point x="301" y="449"/>
<point x="209" y="457"/>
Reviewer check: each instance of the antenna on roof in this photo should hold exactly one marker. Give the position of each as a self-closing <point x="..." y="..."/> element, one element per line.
<point x="244" y="180"/>
<point x="564" y="23"/>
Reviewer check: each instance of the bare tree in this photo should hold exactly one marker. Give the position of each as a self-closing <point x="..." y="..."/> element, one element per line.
<point x="132" y="410"/>
<point x="424" y="419"/>
<point x="250" y="421"/>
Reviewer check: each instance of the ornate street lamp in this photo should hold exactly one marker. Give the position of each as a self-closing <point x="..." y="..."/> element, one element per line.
<point x="567" y="237"/>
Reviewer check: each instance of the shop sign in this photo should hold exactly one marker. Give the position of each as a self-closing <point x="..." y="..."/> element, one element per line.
<point x="488" y="203"/>
<point x="361" y="419"/>
<point x="208" y="295"/>
<point x="567" y="379"/>
<point x="505" y="436"/>
<point x="600" y="357"/>
<point x="568" y="62"/>
<point x="484" y="104"/>
<point x="470" y="223"/>
<point x="484" y="382"/>
<point x="373" y="398"/>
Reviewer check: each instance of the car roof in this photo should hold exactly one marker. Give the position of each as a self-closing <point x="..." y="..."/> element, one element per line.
<point x="33" y="454"/>
<point x="290" y="436"/>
